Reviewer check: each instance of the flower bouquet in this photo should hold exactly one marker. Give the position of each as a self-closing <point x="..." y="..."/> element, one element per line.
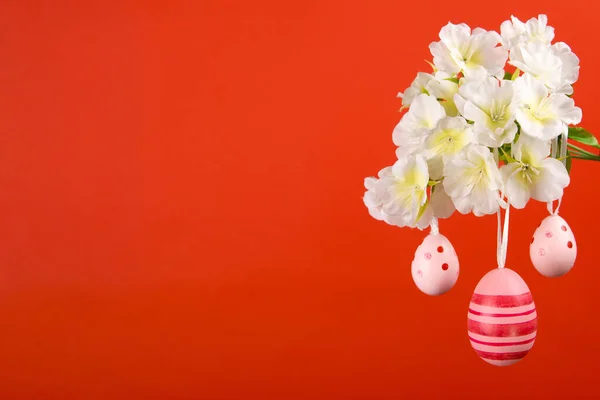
<point x="488" y="129"/>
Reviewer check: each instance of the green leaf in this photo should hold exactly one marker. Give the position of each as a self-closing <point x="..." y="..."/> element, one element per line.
<point x="515" y="75"/>
<point x="568" y="163"/>
<point x="507" y="156"/>
<point x="511" y="76"/>
<point x="578" y="152"/>
<point x="582" y="136"/>
<point x="422" y="210"/>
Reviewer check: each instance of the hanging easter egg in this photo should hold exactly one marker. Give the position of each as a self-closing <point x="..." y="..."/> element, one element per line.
<point x="502" y="320"/>
<point x="553" y="248"/>
<point x="435" y="266"/>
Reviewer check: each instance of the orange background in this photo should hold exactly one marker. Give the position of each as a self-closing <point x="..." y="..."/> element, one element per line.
<point x="180" y="189"/>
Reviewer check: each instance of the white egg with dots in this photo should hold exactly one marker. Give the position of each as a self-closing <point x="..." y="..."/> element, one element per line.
<point x="553" y="249"/>
<point x="435" y="265"/>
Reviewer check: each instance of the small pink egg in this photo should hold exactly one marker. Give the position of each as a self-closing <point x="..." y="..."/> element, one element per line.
<point x="553" y="248"/>
<point x="502" y="319"/>
<point x="435" y="266"/>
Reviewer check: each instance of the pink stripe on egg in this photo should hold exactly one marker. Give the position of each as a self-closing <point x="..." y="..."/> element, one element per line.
<point x="501" y="311"/>
<point x="502" y="301"/>
<point x="506" y="349"/>
<point x="499" y="340"/>
<point x="503" y="330"/>
<point x="500" y="344"/>
<point x="487" y="314"/>
<point x="503" y="320"/>
<point x="501" y="363"/>
<point x="502" y="356"/>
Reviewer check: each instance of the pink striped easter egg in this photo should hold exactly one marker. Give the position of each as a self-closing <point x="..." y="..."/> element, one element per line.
<point x="502" y="320"/>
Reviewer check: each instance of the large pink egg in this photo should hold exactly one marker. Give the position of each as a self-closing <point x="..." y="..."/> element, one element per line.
<point x="553" y="248"/>
<point x="502" y="321"/>
<point x="435" y="266"/>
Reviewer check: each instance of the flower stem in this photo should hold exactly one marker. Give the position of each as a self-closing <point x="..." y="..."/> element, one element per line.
<point x="584" y="157"/>
<point x="582" y="151"/>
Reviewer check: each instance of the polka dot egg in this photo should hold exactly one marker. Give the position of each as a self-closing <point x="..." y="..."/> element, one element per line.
<point x="553" y="249"/>
<point x="502" y="319"/>
<point x="435" y="266"/>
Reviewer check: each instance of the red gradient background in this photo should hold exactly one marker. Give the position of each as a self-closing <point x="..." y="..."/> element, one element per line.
<point x="181" y="213"/>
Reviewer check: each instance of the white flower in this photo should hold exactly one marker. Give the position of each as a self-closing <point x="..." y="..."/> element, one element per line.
<point x="556" y="66"/>
<point x="536" y="30"/>
<point x="473" y="181"/>
<point x="399" y="196"/>
<point x="541" y="115"/>
<point x="448" y="138"/>
<point x="424" y="220"/>
<point x="441" y="204"/>
<point x="540" y="61"/>
<point x="533" y="174"/>
<point x="569" y="69"/>
<point x="377" y="195"/>
<point x="417" y="87"/>
<point x="438" y="85"/>
<point x="423" y="115"/>
<point x="470" y="52"/>
<point x="444" y="89"/>
<point x="512" y="32"/>
<point x="489" y="104"/>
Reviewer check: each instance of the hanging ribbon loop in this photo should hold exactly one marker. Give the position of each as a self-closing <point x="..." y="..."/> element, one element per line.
<point x="435" y="227"/>
<point x="561" y="151"/>
<point x="502" y="245"/>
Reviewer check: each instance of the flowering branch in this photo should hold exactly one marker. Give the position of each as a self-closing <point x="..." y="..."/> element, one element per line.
<point x="479" y="128"/>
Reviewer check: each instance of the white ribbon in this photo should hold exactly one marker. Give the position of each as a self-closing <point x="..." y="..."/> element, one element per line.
<point x="502" y="245"/>
<point x="435" y="227"/>
<point x="563" y="155"/>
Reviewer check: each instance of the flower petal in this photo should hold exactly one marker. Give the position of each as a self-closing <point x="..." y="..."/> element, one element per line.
<point x="551" y="182"/>
<point x="441" y="203"/>
<point x="516" y="189"/>
<point x="564" y="108"/>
